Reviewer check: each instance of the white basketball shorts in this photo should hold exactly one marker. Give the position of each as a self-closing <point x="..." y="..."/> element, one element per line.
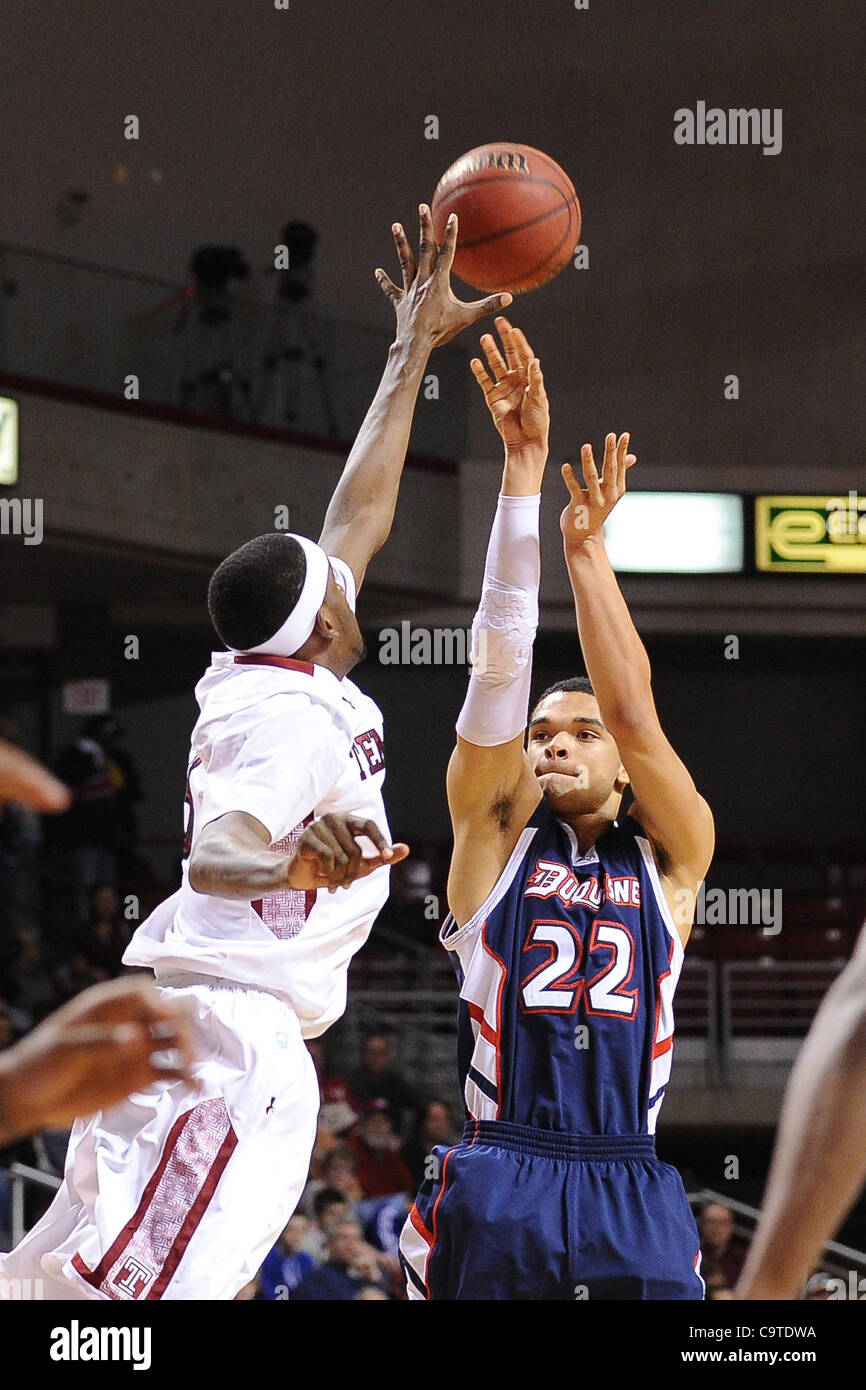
<point x="173" y="1195"/>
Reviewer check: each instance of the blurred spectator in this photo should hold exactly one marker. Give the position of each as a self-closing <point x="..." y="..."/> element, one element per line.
<point x="287" y="1264"/>
<point x="28" y="981"/>
<point x="721" y="1252"/>
<point x="104" y="936"/>
<point x="328" y="1206"/>
<point x="369" y="1292"/>
<point x="20" y="842"/>
<point x="435" y="1125"/>
<point x="339" y="1107"/>
<point x="99" y="828"/>
<point x="326" y="1143"/>
<point x="351" y="1265"/>
<point x="383" y="1220"/>
<point x="378" y="1079"/>
<point x="73" y="975"/>
<point x="411" y="911"/>
<point x="381" y="1170"/>
<point x="340" y="1171"/>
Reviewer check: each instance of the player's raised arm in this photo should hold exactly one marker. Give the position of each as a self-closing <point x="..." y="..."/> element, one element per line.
<point x="358" y="520"/>
<point x="491" y="787"/>
<point x="667" y="803"/>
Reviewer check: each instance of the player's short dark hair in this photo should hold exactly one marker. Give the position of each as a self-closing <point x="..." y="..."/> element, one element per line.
<point x="581" y="684"/>
<point x="254" y="590"/>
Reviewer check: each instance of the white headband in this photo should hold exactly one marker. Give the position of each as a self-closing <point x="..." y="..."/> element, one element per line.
<point x="300" y="622"/>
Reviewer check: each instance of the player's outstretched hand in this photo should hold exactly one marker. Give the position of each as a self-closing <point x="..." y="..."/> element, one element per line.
<point x="428" y="312"/>
<point x="329" y="853"/>
<point x="29" y="783"/>
<point x="591" y="505"/>
<point x="513" y="388"/>
<point x="113" y="1039"/>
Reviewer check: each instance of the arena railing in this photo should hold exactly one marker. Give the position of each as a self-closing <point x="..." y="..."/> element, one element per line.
<point x="766" y="1009"/>
<point x="21" y="1175"/>
<point x="423" y="1027"/>
<point x="256" y="362"/>
<point x="838" y="1259"/>
<point x="741" y="1018"/>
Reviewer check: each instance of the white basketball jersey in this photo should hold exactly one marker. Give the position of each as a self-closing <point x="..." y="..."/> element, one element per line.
<point x="284" y="741"/>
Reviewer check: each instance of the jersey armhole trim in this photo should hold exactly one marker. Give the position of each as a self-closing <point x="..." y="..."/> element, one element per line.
<point x="452" y="936"/>
<point x="661" y="901"/>
<point x="241" y="810"/>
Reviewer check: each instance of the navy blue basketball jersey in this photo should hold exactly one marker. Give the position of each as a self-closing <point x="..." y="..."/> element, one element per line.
<point x="567" y="975"/>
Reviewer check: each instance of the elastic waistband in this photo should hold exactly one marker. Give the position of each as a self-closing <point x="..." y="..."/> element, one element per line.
<point x="579" y="1147"/>
<point x="182" y="979"/>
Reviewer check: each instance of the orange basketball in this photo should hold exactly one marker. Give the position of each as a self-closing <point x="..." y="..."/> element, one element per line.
<point x="519" y="217"/>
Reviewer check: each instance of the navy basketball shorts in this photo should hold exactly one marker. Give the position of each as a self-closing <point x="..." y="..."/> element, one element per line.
<point x="518" y="1214"/>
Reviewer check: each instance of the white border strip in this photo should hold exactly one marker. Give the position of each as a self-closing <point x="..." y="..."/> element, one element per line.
<point x="661" y="901"/>
<point x="497" y="893"/>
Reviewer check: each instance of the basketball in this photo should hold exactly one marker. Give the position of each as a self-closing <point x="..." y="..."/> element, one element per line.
<point x="519" y="217"/>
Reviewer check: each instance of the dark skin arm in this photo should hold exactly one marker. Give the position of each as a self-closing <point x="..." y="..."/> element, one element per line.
<point x="819" y="1164"/>
<point x="361" y="511"/>
<point x="111" y="1040"/>
<point x="24" y="780"/>
<point x="232" y="857"/>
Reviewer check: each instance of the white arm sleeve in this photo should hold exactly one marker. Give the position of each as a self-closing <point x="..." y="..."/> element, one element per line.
<point x="504" y="627"/>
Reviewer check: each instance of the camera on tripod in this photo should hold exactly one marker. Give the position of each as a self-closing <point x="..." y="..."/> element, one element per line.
<point x="212" y="268"/>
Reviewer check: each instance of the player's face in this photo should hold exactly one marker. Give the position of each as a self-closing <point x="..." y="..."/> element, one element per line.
<point x="348" y="647"/>
<point x="573" y="755"/>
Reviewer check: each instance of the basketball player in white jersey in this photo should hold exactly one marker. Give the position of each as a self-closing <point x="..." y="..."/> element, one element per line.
<point x="179" y="1192"/>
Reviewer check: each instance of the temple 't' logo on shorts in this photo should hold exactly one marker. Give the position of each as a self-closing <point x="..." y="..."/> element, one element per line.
<point x="132" y="1279"/>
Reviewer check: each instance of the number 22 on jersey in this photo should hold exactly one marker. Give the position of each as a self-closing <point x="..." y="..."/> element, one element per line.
<point x="556" y="984"/>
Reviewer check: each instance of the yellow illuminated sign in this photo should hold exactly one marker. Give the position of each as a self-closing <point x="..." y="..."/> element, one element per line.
<point x="8" y="442"/>
<point x="811" y="535"/>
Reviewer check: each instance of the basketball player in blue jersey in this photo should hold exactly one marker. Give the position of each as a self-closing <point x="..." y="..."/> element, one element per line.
<point x="567" y="921"/>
